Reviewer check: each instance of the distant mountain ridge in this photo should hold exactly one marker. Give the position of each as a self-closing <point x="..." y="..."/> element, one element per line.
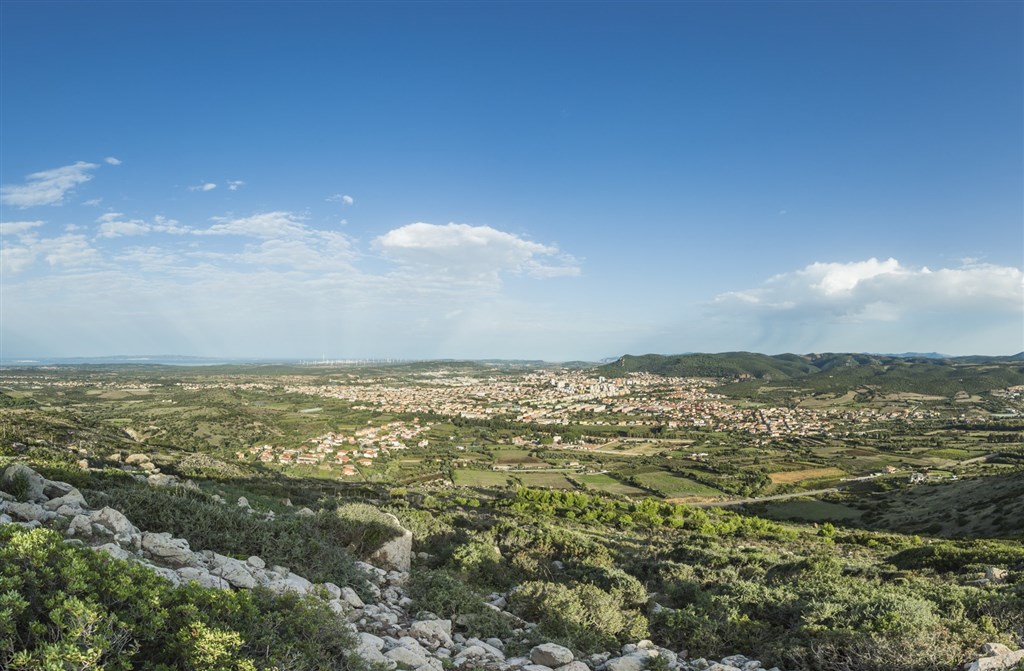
<point x="921" y="373"/>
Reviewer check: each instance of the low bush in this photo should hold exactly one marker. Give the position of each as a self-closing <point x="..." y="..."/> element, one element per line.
<point x="63" y="607"/>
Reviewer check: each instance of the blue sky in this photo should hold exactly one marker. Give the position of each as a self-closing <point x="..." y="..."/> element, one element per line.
<point x="532" y="180"/>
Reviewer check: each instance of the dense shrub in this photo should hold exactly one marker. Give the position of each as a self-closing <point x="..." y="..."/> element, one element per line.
<point x="582" y="616"/>
<point x="63" y="607"/>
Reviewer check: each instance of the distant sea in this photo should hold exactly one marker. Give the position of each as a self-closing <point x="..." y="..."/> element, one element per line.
<point x="156" y="360"/>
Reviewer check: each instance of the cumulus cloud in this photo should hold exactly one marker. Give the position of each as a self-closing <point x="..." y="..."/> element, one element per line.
<point x="206" y="186"/>
<point x="110" y="160"/>
<point x="47" y="187"/>
<point x="886" y="290"/>
<point x="341" y="198"/>
<point x="473" y="251"/>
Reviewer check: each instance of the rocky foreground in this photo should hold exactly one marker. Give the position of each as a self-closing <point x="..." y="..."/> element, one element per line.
<point x="387" y="631"/>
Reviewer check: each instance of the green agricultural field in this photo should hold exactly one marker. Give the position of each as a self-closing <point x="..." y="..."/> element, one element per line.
<point x="808" y="510"/>
<point x="512" y="457"/>
<point x="548" y="480"/>
<point x="475" y="478"/>
<point x="953" y="454"/>
<point x="605" y="483"/>
<point x="674" y="486"/>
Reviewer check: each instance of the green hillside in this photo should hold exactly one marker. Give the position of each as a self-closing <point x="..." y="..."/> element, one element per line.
<point x="832" y="372"/>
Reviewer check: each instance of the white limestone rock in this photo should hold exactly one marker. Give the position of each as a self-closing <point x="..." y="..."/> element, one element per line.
<point x="234" y="571"/>
<point x="114" y="550"/>
<point x="166" y="549"/>
<point x="349" y="596"/>
<point x="72" y="499"/>
<point x="202" y="577"/>
<point x="30" y="512"/>
<point x="551" y="655"/>
<point x="436" y="632"/>
<point x="627" y="663"/>
<point x="113" y="520"/>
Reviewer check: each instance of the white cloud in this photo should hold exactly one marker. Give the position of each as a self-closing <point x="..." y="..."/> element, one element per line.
<point x="110" y="160"/>
<point x="93" y="202"/>
<point x="206" y="186"/>
<point x="341" y="198"/>
<point x="18" y="227"/>
<point x="876" y="290"/>
<point x="235" y="184"/>
<point x="472" y="251"/>
<point x="68" y="251"/>
<point x="47" y="187"/>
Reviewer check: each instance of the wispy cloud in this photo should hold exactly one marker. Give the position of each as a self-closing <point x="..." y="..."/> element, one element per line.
<point x="110" y="160"/>
<point x="341" y="198"/>
<point x="114" y="225"/>
<point x="235" y="184"/>
<point x="18" y="227"/>
<point x="47" y="187"/>
<point x="205" y="186"/>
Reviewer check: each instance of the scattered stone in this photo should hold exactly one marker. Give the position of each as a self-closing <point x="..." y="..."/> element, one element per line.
<point x="162" y="480"/>
<point x="304" y="512"/>
<point x="134" y="459"/>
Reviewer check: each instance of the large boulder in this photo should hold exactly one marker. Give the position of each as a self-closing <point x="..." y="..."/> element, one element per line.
<point x="396" y="554"/>
<point x="551" y="655"/>
<point x="234" y="571"/>
<point x="22" y="481"/>
<point x="433" y="632"/>
<point x="1000" y="658"/>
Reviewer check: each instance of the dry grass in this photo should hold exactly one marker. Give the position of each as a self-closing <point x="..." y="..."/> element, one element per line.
<point x="789" y="477"/>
